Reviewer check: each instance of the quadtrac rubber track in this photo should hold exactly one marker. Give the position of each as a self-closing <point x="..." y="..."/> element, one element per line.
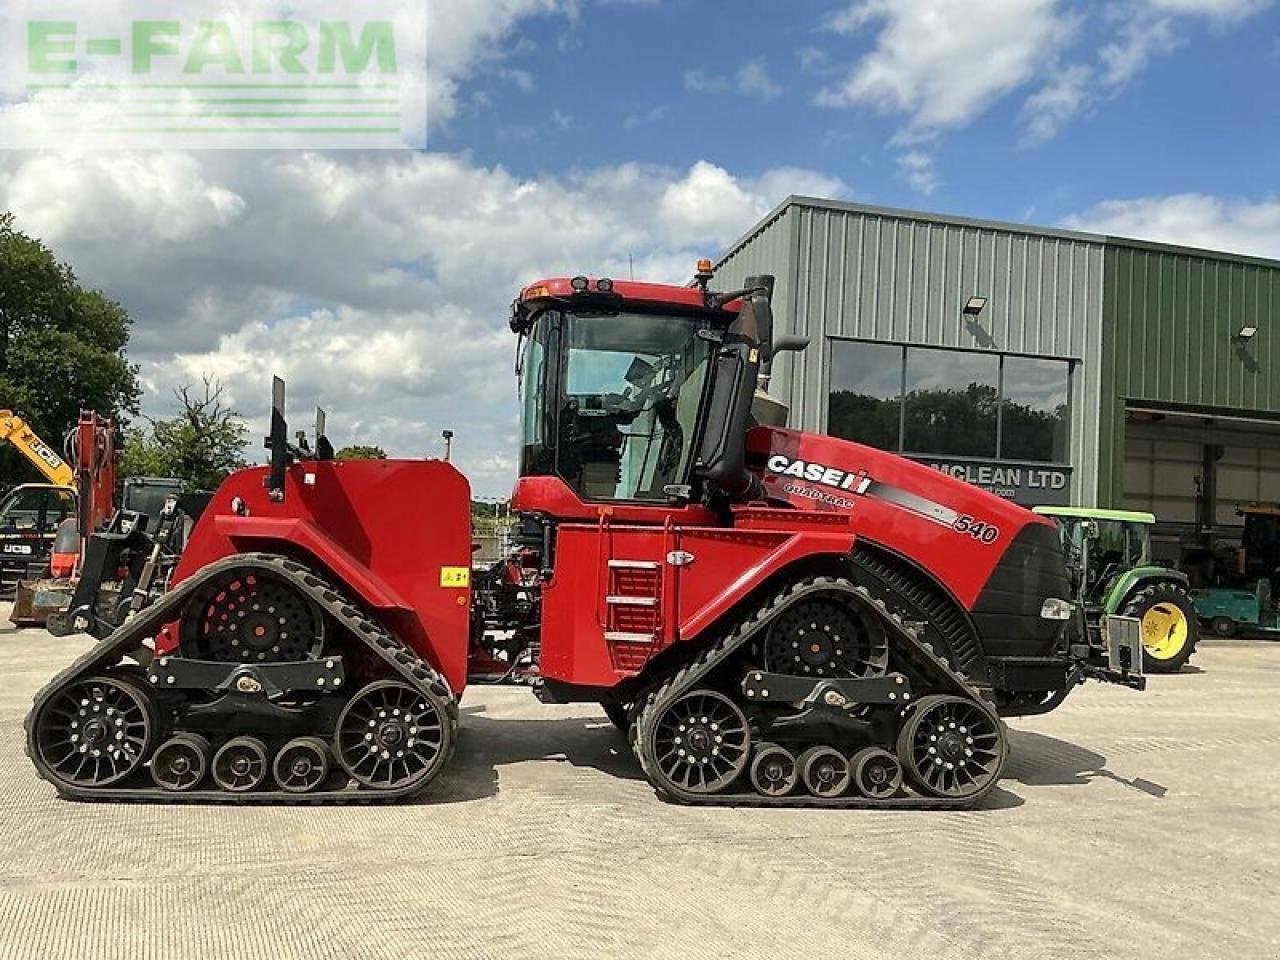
<point x="904" y="641"/>
<point x="128" y="641"/>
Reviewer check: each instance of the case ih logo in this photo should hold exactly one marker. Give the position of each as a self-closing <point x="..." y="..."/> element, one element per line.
<point x="819" y="473"/>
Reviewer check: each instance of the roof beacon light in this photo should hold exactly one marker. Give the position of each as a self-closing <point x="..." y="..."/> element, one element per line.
<point x="704" y="274"/>
<point x="604" y="285"/>
<point x="580" y="284"/>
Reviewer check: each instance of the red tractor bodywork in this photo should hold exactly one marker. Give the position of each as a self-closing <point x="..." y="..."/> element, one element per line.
<point x="395" y="532"/>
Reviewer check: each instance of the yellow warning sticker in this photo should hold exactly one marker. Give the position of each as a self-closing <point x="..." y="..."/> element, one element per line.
<point x="455" y="576"/>
<point x="754" y="356"/>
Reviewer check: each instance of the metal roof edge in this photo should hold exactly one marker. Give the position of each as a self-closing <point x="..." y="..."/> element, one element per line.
<point x="1001" y="226"/>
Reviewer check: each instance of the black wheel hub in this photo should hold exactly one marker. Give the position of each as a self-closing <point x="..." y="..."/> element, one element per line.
<point x="822" y="637"/>
<point x="702" y="742"/>
<point x="95" y="732"/>
<point x="390" y="736"/>
<point x="951" y="747"/>
<point x="252" y="618"/>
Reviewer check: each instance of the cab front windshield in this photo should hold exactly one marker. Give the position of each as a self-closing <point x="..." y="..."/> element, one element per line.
<point x="35" y="509"/>
<point x="611" y="401"/>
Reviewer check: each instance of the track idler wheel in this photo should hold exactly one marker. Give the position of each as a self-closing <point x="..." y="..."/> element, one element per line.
<point x="877" y="774"/>
<point x="241" y="765"/>
<point x="391" y="736"/>
<point x="95" y="732"/>
<point x="180" y="762"/>
<point x="702" y="743"/>
<point x="825" y="771"/>
<point x="951" y="747"/>
<point x="773" y="771"/>
<point x="301" y="765"/>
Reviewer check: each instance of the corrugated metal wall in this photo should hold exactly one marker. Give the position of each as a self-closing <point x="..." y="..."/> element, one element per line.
<point x="867" y="273"/>
<point x="1172" y="318"/>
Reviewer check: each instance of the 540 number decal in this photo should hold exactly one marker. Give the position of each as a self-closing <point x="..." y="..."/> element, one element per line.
<point x="979" y="530"/>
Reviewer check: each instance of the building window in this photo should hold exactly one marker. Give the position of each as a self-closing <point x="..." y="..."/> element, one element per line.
<point x="1033" y="415"/>
<point x="952" y="403"/>
<point x="955" y="403"/>
<point x="865" y="403"/>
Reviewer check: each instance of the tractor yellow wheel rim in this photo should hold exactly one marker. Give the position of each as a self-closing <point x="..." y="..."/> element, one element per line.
<point x="1164" y="631"/>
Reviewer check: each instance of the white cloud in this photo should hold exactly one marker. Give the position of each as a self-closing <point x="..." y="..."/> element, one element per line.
<point x="751" y="80"/>
<point x="1056" y="103"/>
<point x="940" y="64"/>
<point x="916" y="167"/>
<point x="377" y="283"/>
<point x="1190" y="219"/>
<point x="943" y="62"/>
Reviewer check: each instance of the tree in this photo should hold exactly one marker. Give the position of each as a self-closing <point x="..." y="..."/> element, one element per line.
<point x="360" y="451"/>
<point x="61" y="346"/>
<point x="200" y="446"/>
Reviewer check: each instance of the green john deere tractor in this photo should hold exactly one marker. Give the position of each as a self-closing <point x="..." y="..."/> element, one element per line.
<point x="1109" y="554"/>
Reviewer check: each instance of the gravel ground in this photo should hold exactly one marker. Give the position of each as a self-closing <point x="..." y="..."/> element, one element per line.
<point x="1127" y="826"/>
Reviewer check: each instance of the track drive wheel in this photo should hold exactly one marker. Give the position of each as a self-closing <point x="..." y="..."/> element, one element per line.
<point x="825" y="771"/>
<point x="1170" y="629"/>
<point x="952" y="747"/>
<point x="240" y="765"/>
<point x="252" y="617"/>
<point x="95" y="732"/>
<point x="701" y="742"/>
<point x="774" y="772"/>
<point x="824" y="637"/>
<point x="391" y="736"/>
<point x="877" y="774"/>
<point x="179" y="764"/>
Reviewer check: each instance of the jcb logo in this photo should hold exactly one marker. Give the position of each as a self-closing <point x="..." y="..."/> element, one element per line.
<point x="21" y="548"/>
<point x="45" y="453"/>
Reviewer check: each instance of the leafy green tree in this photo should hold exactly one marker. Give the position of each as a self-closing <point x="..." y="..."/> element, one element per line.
<point x="361" y="451"/>
<point x="61" y="346"/>
<point x="200" y="446"/>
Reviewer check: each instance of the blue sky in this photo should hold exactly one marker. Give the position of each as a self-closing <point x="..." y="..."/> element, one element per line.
<point x="576" y="136"/>
<point x="661" y="83"/>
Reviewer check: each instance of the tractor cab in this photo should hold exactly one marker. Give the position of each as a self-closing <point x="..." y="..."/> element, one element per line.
<point x="1101" y="544"/>
<point x="637" y="393"/>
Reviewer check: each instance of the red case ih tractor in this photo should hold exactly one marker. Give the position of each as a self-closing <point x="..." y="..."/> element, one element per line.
<point x="776" y="617"/>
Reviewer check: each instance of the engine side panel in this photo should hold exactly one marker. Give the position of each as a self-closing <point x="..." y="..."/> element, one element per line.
<point x="396" y="532"/>
<point x="998" y="560"/>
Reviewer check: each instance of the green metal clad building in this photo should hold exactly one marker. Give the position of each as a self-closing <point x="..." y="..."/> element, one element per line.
<point x="1050" y="366"/>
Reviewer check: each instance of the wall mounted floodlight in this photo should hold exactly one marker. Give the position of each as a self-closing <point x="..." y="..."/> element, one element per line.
<point x="975" y="306"/>
<point x="1246" y="334"/>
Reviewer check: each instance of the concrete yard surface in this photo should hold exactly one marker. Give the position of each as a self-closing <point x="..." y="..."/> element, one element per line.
<point x="1128" y="825"/>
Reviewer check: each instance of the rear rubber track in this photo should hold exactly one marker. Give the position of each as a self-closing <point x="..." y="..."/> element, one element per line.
<point x="903" y="640"/>
<point x="128" y="641"/>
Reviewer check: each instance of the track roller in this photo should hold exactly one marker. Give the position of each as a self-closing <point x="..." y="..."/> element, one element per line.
<point x="301" y="765"/>
<point x="773" y="771"/>
<point x="180" y="762"/>
<point x="952" y="747"/>
<point x="876" y="773"/>
<point x="825" y="771"/>
<point x="241" y="765"/>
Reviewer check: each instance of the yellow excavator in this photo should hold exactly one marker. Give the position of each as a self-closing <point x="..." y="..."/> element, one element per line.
<point x="31" y="512"/>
